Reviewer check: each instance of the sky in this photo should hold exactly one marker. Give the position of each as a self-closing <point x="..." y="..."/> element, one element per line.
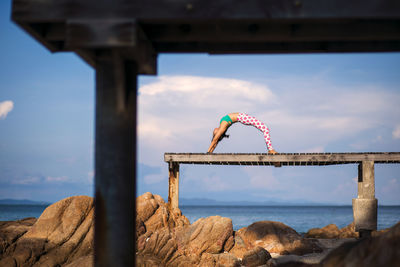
<point x="310" y="102"/>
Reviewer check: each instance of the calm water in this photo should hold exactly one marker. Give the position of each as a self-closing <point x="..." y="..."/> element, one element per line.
<point x="16" y="212"/>
<point x="300" y="218"/>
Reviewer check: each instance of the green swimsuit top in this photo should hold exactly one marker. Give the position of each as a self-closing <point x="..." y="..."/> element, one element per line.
<point x="227" y="119"/>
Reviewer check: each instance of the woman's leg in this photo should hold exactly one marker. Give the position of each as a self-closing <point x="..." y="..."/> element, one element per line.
<point x="250" y="120"/>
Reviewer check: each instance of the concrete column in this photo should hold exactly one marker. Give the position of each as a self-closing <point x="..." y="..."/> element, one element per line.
<point x="173" y="192"/>
<point x="365" y="206"/>
<point x="115" y="160"/>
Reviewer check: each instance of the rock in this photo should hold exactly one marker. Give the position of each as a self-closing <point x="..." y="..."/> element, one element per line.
<point x="332" y="231"/>
<point x="208" y="235"/>
<point x="255" y="257"/>
<point x="239" y="247"/>
<point x="220" y="260"/>
<point x="296" y="264"/>
<point x="161" y="245"/>
<point x="85" y="261"/>
<point x="276" y="237"/>
<point x="348" y="231"/>
<point x="147" y="261"/>
<point x="10" y="231"/>
<point x="153" y="214"/>
<point x="329" y="231"/>
<point x="185" y="245"/>
<point x="61" y="235"/>
<point x="382" y="250"/>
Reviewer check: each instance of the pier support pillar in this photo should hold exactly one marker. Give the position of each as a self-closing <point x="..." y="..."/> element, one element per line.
<point x="173" y="192"/>
<point x="115" y="160"/>
<point x="365" y="206"/>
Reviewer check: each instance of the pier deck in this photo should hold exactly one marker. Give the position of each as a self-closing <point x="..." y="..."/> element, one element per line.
<point x="285" y="159"/>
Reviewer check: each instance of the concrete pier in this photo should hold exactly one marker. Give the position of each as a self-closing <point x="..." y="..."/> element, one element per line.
<point x="365" y="206"/>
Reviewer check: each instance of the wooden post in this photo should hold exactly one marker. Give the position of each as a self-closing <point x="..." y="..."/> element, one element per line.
<point x="365" y="206"/>
<point x="115" y="160"/>
<point x="173" y="191"/>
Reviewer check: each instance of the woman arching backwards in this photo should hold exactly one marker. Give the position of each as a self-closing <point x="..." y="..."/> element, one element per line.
<point x="228" y="120"/>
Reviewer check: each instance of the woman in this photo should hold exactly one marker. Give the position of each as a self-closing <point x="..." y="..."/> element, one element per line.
<point x="228" y="120"/>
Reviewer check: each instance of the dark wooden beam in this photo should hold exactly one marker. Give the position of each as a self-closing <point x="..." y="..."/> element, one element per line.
<point x="115" y="160"/>
<point x="278" y="47"/>
<point x="179" y="10"/>
<point x="142" y="29"/>
<point x="262" y="31"/>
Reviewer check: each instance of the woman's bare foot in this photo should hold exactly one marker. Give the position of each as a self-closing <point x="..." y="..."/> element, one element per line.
<point x="272" y="151"/>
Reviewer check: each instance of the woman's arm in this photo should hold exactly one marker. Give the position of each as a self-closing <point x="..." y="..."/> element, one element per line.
<point x="221" y="130"/>
<point x="212" y="146"/>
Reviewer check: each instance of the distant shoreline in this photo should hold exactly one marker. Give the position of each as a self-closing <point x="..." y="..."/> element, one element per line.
<point x="22" y="202"/>
<point x="210" y="203"/>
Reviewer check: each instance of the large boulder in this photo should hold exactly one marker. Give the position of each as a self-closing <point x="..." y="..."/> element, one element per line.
<point x="276" y="237"/>
<point x="348" y="231"/>
<point x="11" y="231"/>
<point x="153" y="214"/>
<point x="221" y="259"/>
<point x="185" y="245"/>
<point x="256" y="257"/>
<point x="331" y="231"/>
<point x="382" y="250"/>
<point x="212" y="235"/>
<point x="61" y="235"/>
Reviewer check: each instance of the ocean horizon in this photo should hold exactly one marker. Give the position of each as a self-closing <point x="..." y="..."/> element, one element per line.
<point x="300" y="218"/>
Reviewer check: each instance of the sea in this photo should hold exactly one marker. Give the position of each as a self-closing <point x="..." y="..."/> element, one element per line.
<point x="300" y="218"/>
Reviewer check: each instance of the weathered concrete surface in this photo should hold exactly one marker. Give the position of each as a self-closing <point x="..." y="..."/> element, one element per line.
<point x="365" y="214"/>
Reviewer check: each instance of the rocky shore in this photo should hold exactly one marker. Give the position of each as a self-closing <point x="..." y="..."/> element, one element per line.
<point x="63" y="236"/>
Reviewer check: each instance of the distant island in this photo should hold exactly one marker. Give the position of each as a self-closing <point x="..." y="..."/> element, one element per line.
<point x="9" y="201"/>
<point x="208" y="202"/>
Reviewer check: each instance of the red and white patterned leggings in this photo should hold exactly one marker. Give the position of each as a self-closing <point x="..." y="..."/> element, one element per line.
<point x="250" y="120"/>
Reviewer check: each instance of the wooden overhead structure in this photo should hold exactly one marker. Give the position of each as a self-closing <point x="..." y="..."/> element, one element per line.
<point x="139" y="30"/>
<point x="122" y="38"/>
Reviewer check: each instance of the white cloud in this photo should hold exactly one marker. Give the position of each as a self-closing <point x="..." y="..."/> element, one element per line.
<point x="5" y="108"/>
<point x="206" y="90"/>
<point x="396" y="132"/>
<point x="57" y="179"/>
<point x="178" y="113"/>
<point x="27" y="180"/>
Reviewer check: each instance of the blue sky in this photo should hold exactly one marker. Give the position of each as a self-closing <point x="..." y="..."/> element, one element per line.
<point x="312" y="103"/>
